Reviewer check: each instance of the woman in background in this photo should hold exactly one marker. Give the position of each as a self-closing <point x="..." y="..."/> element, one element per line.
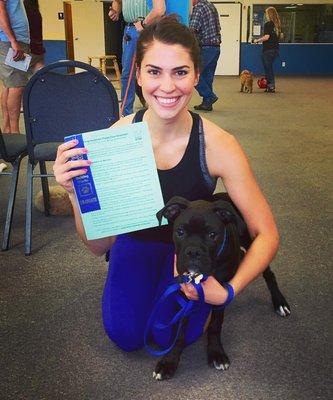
<point x="270" y="41"/>
<point x="36" y="35"/>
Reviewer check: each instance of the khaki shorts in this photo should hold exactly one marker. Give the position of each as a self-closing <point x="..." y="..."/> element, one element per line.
<point x="12" y="77"/>
<point x="35" y="59"/>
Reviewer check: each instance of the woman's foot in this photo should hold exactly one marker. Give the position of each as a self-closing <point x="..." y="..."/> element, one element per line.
<point x="270" y="90"/>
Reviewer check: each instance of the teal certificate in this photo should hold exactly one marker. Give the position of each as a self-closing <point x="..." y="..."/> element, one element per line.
<point x="121" y="191"/>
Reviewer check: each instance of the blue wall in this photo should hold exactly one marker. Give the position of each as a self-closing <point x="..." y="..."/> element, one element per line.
<point x="55" y="50"/>
<point x="300" y="59"/>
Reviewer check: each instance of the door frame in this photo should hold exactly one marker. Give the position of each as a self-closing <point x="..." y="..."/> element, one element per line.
<point x="240" y="27"/>
<point x="68" y="21"/>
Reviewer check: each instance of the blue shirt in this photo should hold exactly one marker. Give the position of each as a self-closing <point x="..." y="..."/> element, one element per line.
<point x="180" y="7"/>
<point x="18" y="21"/>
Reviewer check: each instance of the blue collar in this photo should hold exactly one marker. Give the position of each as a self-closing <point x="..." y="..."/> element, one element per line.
<point x="221" y="249"/>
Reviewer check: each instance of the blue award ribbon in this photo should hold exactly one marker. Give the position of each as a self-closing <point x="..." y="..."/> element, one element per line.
<point x="84" y="184"/>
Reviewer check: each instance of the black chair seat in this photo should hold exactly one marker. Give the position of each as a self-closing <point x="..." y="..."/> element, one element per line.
<point x="46" y="151"/>
<point x="15" y="145"/>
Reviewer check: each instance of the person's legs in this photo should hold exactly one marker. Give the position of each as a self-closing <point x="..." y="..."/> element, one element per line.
<point x="265" y="63"/>
<point x="14" y="99"/>
<point x="209" y="58"/>
<point x="128" y="89"/>
<point x="268" y="58"/>
<point x="5" y="116"/>
<point x="139" y="273"/>
<point x="14" y="81"/>
<point x="131" y="288"/>
<point x="210" y="72"/>
<point x="204" y="86"/>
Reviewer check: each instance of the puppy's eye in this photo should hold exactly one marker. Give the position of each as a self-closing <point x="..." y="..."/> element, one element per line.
<point x="212" y="235"/>
<point x="180" y="232"/>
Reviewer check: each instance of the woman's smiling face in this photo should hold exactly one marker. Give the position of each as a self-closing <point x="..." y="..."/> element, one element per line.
<point x="167" y="77"/>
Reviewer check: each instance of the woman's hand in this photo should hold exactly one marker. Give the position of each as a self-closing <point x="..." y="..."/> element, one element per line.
<point x="138" y="26"/>
<point x="63" y="166"/>
<point x="215" y="293"/>
<point x="113" y="14"/>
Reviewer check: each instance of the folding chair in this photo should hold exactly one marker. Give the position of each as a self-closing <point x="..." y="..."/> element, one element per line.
<point x="13" y="148"/>
<point x="57" y="104"/>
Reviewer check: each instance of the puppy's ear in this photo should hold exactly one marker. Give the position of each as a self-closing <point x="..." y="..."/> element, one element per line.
<point x="172" y="209"/>
<point x="229" y="214"/>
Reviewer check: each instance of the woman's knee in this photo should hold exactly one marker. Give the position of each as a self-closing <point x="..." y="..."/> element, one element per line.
<point x="125" y="340"/>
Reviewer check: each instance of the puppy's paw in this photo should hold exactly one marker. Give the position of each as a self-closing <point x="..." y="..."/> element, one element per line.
<point x="281" y="306"/>
<point x="218" y="360"/>
<point x="164" y="370"/>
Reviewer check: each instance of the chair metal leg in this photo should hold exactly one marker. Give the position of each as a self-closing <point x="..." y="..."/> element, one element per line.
<point x="28" y="209"/>
<point x="45" y="188"/>
<point x="11" y="203"/>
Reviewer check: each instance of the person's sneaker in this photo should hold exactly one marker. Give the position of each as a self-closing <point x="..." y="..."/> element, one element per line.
<point x="2" y="166"/>
<point x="270" y="90"/>
<point x="204" y="107"/>
<point x="214" y="100"/>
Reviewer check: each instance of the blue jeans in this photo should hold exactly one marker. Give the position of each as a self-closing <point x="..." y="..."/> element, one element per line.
<point x="209" y="58"/>
<point x="130" y="39"/>
<point x="268" y="57"/>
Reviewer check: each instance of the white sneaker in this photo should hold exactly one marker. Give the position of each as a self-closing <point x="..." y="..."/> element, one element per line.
<point x="2" y="166"/>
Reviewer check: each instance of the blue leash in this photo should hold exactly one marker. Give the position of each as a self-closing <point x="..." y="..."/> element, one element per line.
<point x="186" y="308"/>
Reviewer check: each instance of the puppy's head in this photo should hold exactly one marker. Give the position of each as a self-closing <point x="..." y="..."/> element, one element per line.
<point x="199" y="229"/>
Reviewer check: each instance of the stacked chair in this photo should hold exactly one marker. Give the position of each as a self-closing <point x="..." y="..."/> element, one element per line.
<point x="13" y="148"/>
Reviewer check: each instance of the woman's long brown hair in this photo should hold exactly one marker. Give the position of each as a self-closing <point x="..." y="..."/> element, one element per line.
<point x="274" y="17"/>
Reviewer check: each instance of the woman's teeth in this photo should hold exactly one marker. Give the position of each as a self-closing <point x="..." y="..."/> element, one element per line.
<point x="167" y="100"/>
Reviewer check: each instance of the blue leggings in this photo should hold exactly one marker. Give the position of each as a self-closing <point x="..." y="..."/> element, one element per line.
<point x="139" y="272"/>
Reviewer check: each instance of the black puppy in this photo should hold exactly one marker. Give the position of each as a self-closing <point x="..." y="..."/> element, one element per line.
<point x="210" y="238"/>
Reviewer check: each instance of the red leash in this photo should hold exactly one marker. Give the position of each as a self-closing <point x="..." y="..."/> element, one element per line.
<point x="128" y="85"/>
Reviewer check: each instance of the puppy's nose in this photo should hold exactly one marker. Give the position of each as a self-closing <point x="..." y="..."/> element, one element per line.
<point x="193" y="252"/>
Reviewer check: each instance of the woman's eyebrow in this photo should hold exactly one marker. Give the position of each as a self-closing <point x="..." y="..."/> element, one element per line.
<point x="153" y="66"/>
<point x="174" y="69"/>
<point x="181" y="67"/>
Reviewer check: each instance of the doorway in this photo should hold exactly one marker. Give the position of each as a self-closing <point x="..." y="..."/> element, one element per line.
<point x="87" y="33"/>
<point x="230" y="20"/>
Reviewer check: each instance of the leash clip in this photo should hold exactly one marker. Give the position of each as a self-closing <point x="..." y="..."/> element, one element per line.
<point x="190" y="277"/>
<point x="198" y="278"/>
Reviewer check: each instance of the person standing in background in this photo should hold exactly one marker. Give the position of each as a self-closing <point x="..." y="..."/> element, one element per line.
<point x="205" y="23"/>
<point x="136" y="15"/>
<point x="14" y="33"/>
<point x="36" y="35"/>
<point x="270" y="41"/>
<point x="181" y="8"/>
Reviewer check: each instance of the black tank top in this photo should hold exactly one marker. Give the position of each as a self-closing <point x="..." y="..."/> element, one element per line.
<point x="190" y="178"/>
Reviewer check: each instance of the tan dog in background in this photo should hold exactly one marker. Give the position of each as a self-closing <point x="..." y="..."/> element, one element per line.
<point x="59" y="201"/>
<point x="246" y="79"/>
